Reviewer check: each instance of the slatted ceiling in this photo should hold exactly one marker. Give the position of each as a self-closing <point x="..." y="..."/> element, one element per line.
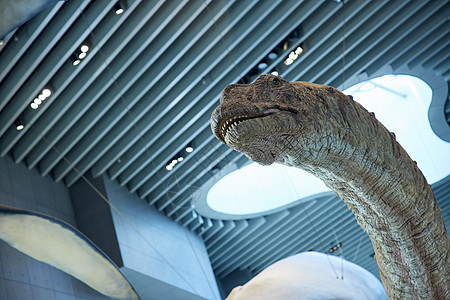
<point x="78" y="99"/>
<point x="221" y="249"/>
<point x="24" y="38"/>
<point x="419" y="43"/>
<point x="200" y="88"/>
<point x="377" y="34"/>
<point x="178" y="185"/>
<point x="126" y="124"/>
<point x="27" y="64"/>
<point x="69" y="107"/>
<point x="405" y="28"/>
<point x="50" y="63"/>
<point x="326" y="44"/>
<point x="400" y="46"/>
<point x="155" y="175"/>
<point x="154" y="74"/>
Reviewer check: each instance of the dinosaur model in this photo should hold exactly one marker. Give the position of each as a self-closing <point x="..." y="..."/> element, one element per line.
<point x="319" y="129"/>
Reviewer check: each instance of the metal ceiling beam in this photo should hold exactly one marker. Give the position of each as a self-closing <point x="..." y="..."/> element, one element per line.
<point x="222" y="249"/>
<point x="226" y="266"/>
<point x="355" y="40"/>
<point x="24" y="37"/>
<point x="382" y="39"/>
<point x="61" y="169"/>
<point x="157" y="169"/>
<point x="44" y="51"/>
<point x="217" y="227"/>
<point x="435" y="60"/>
<point x="430" y="51"/>
<point x="136" y="112"/>
<point x="184" y="194"/>
<point x="34" y="58"/>
<point x="293" y="240"/>
<point x="421" y="44"/>
<point x="68" y="84"/>
<point x="180" y="171"/>
<point x="110" y="62"/>
<point x="180" y="79"/>
<point x="401" y="45"/>
<point x="182" y="186"/>
<point x="241" y="225"/>
<point x="306" y="212"/>
<point x="327" y="38"/>
<point x="112" y="68"/>
<point x="201" y="105"/>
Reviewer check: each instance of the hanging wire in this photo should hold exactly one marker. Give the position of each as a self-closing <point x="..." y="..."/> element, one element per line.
<point x="344" y="22"/>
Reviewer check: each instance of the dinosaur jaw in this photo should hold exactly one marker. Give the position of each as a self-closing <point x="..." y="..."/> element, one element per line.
<point x="252" y="137"/>
<point x="227" y="125"/>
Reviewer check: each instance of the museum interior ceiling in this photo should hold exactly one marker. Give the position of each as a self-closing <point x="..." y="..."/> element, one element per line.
<point x="87" y="91"/>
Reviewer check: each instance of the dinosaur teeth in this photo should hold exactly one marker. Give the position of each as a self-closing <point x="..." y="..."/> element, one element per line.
<point x="231" y="123"/>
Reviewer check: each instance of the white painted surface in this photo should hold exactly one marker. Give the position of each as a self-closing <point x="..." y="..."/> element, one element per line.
<point x="311" y="275"/>
<point x="61" y="248"/>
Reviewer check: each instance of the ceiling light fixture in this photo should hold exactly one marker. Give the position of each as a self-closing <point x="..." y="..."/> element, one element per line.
<point x="19" y="124"/>
<point x="118" y="9"/>
<point x="84" y="48"/>
<point x="262" y="65"/>
<point x="293" y="56"/>
<point x="334" y="248"/>
<point x="272" y="56"/>
<point x="46" y="92"/>
<point x="39" y="99"/>
<point x="79" y="54"/>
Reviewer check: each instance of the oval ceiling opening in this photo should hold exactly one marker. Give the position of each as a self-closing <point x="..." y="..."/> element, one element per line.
<point x="400" y="102"/>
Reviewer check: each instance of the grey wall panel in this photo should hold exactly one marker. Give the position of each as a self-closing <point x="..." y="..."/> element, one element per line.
<point x="22" y="277"/>
<point x="155" y="248"/>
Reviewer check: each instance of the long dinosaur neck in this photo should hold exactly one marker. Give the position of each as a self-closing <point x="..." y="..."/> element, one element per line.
<point x="361" y="161"/>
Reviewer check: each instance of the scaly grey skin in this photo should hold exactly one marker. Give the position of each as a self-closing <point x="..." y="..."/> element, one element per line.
<point x="319" y="129"/>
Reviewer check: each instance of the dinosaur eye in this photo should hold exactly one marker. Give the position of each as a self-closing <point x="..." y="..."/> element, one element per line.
<point x="276" y="81"/>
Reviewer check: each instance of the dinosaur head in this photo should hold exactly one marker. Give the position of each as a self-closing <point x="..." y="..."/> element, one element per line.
<point x="262" y="119"/>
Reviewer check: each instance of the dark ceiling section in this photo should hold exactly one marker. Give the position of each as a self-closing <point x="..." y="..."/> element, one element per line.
<point x="152" y="75"/>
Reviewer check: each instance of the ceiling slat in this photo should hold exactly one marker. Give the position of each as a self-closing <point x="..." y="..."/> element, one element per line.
<point x="67" y="84"/>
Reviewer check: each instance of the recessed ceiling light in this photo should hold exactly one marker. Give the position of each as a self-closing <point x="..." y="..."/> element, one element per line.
<point x="180" y="158"/>
<point x="42" y="97"/>
<point x="34" y="105"/>
<point x="272" y="55"/>
<point x="82" y="55"/>
<point x="84" y="48"/>
<point x="169" y="167"/>
<point x="262" y="66"/>
<point x="189" y="149"/>
<point x="38" y="101"/>
<point x="76" y="62"/>
<point x="46" y="92"/>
